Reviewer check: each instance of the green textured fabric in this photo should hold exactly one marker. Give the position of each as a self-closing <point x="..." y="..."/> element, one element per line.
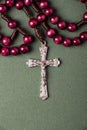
<point x="66" y="108"/>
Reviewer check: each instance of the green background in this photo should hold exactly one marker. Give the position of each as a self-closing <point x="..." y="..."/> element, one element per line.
<point x="66" y="108"/>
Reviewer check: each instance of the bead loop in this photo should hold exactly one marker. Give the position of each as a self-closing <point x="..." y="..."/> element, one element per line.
<point x="44" y="42"/>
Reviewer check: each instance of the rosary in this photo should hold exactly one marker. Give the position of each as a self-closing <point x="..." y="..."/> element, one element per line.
<point x="45" y="14"/>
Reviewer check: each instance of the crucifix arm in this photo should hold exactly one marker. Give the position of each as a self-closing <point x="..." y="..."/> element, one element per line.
<point x="33" y="63"/>
<point x="53" y="62"/>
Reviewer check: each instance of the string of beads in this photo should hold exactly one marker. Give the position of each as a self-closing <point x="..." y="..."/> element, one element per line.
<point x="45" y="14"/>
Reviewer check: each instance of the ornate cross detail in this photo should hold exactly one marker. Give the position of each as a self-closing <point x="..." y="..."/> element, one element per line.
<point x="43" y="63"/>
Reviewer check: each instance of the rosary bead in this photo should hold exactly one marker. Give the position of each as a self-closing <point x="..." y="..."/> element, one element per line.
<point x="3" y="8"/>
<point x="6" y="41"/>
<point x="5" y="51"/>
<point x="27" y="39"/>
<point x="57" y="39"/>
<point x="27" y="2"/>
<point x="61" y="25"/>
<point x="41" y="17"/>
<point x="9" y="3"/>
<point x="76" y="41"/>
<point x="82" y="1"/>
<point x="24" y="49"/>
<point x="48" y="11"/>
<point x="85" y="16"/>
<point x="14" y="51"/>
<point x="66" y="42"/>
<point x="72" y="27"/>
<point x="33" y="23"/>
<point x="83" y="36"/>
<point x="50" y="32"/>
<point x="54" y="19"/>
<point x="43" y="4"/>
<point x="19" y="5"/>
<point x="12" y="24"/>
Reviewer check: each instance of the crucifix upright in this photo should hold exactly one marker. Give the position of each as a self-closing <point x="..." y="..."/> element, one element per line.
<point x="43" y="63"/>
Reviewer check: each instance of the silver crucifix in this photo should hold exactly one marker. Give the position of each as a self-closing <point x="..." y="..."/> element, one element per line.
<point x="43" y="63"/>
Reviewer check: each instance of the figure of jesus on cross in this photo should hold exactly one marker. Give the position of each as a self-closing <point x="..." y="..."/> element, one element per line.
<point x="43" y="63"/>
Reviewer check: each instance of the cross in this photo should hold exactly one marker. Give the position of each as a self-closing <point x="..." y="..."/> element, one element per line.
<point x="43" y="63"/>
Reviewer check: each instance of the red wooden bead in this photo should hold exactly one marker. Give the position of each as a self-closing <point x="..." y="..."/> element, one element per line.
<point x="41" y="17"/>
<point x="76" y="41"/>
<point x="83" y="36"/>
<point x="85" y="16"/>
<point x="14" y="51"/>
<point x="24" y="49"/>
<point x="43" y="4"/>
<point x="5" y="51"/>
<point x="27" y="39"/>
<point x="6" y="41"/>
<point x="61" y="25"/>
<point x="54" y="19"/>
<point x="72" y="27"/>
<point x="9" y="3"/>
<point x="33" y="23"/>
<point x="3" y="8"/>
<point x="82" y="1"/>
<point x="67" y="42"/>
<point x="19" y="5"/>
<point x="57" y="39"/>
<point x="50" y="32"/>
<point x="48" y="11"/>
<point x="12" y="24"/>
<point x="27" y="2"/>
